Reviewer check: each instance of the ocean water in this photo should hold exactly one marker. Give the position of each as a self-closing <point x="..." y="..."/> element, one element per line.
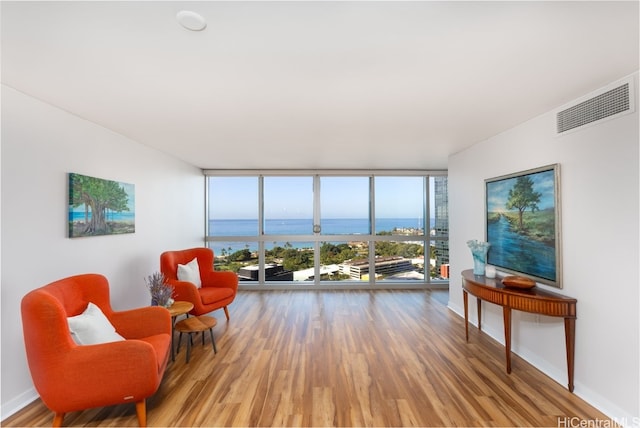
<point x="302" y="227"/>
<point x="335" y="226"/>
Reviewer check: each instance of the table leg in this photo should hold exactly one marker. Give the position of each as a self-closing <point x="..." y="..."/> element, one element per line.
<point x="179" y="341"/>
<point x="189" y="348"/>
<point x="213" y="341"/>
<point x="465" y="299"/>
<point x="173" y="329"/>
<point x="479" y="303"/>
<point x="570" y="339"/>
<point x="506" y="313"/>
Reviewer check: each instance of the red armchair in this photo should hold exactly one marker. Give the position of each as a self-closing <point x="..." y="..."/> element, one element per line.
<point x="218" y="288"/>
<point x="71" y="377"/>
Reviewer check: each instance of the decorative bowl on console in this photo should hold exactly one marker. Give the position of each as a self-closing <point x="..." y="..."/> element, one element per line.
<point x="518" y="282"/>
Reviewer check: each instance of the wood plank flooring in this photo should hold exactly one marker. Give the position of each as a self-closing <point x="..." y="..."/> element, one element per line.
<point x="342" y="358"/>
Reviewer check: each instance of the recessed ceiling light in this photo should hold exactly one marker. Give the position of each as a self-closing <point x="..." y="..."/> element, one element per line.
<point x="191" y="20"/>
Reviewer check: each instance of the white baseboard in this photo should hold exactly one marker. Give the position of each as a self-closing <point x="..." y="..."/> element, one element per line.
<point x="18" y="403"/>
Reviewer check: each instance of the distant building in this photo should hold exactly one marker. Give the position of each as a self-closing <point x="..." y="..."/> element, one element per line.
<point x="444" y="270"/>
<point x="272" y="273"/>
<point x="359" y="269"/>
<point x="441" y="226"/>
<point x="309" y="274"/>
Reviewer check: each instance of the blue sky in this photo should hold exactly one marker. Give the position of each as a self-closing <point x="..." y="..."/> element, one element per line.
<point x="292" y="197"/>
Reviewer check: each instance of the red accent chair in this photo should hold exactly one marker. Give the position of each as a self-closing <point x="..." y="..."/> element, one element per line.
<point x="218" y="288"/>
<point x="71" y="377"/>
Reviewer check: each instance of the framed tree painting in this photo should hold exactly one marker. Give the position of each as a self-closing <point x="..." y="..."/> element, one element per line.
<point x="100" y="207"/>
<point x="523" y="224"/>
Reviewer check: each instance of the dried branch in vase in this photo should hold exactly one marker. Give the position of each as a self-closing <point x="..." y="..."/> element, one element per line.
<point x="161" y="292"/>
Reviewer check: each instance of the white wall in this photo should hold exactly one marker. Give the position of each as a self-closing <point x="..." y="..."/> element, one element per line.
<point x="40" y="145"/>
<point x="599" y="197"/>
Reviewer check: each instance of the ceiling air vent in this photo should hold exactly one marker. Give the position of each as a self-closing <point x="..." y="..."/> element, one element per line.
<point x="610" y="103"/>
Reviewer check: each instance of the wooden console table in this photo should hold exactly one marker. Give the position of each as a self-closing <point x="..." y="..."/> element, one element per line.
<point x="533" y="300"/>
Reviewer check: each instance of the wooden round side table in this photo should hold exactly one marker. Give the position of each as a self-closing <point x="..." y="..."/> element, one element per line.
<point x="195" y="325"/>
<point x="176" y="309"/>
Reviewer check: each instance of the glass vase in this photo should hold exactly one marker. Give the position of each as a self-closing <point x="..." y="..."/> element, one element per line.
<point x="479" y="250"/>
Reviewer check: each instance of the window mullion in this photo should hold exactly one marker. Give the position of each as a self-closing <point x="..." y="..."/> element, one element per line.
<point x="372" y="231"/>
<point x="316" y="228"/>
<point x="261" y="247"/>
<point x="427" y="227"/>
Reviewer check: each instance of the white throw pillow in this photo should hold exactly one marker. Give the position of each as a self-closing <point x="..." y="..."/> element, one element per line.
<point x="190" y="272"/>
<point x="92" y="327"/>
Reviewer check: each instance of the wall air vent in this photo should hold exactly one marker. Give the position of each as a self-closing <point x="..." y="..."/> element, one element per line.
<point x="616" y="101"/>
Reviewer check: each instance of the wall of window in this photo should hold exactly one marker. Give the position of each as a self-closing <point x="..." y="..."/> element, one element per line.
<point x="343" y="229"/>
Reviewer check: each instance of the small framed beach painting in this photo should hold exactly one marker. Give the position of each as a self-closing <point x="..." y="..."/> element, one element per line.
<point x="522" y="218"/>
<point x="100" y="207"/>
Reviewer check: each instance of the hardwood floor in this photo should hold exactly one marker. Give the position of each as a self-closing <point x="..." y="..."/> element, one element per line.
<point x="342" y="358"/>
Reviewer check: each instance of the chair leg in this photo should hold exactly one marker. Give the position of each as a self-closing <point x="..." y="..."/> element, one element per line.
<point x="141" y="411"/>
<point x="57" y="420"/>
<point x="226" y="312"/>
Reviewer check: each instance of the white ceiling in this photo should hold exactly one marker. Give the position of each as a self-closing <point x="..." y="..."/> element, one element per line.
<point x="327" y="84"/>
